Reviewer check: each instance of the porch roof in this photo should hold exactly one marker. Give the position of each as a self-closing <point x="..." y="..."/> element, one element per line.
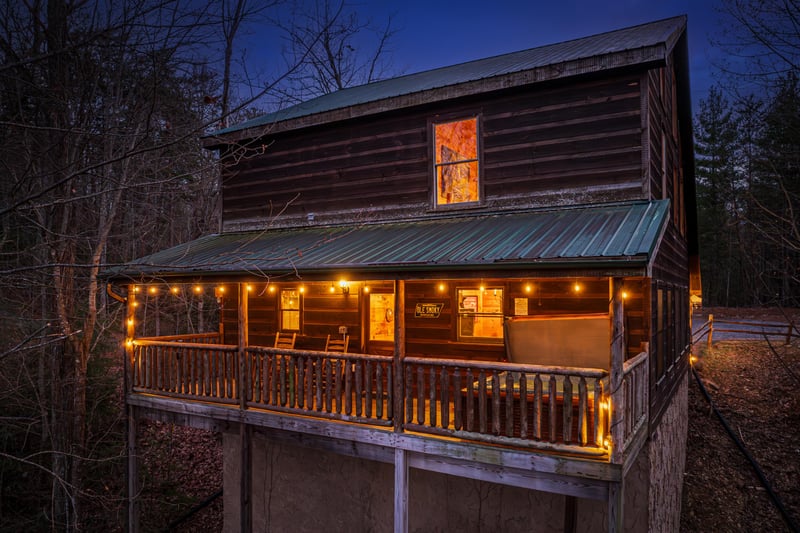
<point x="590" y="236"/>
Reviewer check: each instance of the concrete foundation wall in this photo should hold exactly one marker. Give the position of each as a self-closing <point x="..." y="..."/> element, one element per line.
<point x="301" y="489"/>
<point x="667" y="454"/>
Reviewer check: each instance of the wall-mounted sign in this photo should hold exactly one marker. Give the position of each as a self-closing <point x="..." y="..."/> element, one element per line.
<point x="428" y="310"/>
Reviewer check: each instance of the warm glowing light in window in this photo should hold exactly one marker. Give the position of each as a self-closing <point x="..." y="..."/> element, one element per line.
<point x="456" y="161"/>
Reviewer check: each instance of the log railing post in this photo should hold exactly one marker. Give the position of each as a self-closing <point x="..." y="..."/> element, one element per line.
<point x="244" y="380"/>
<point x="619" y="409"/>
<point x="399" y="352"/>
<point x="132" y="473"/>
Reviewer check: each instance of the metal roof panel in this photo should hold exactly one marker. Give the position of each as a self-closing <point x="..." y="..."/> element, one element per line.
<point x="626" y="232"/>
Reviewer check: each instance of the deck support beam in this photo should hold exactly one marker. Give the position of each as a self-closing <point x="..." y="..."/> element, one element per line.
<point x="400" y="491"/>
<point x="131" y="451"/>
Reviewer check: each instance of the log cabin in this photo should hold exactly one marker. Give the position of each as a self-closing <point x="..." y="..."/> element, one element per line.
<point x="456" y="299"/>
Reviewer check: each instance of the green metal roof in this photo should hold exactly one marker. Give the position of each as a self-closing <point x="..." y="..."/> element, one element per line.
<point x="623" y="234"/>
<point x="615" y="49"/>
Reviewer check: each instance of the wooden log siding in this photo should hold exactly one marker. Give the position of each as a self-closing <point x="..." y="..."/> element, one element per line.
<point x="456" y="398"/>
<point x="569" y="144"/>
<point x="353" y="387"/>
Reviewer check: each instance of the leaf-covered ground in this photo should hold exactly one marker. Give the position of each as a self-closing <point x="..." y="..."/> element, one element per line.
<point x="758" y="391"/>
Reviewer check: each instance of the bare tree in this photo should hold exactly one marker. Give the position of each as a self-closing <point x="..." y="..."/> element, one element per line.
<point x="334" y="48"/>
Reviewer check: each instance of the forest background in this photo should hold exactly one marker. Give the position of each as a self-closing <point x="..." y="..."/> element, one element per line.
<point x="102" y="107"/>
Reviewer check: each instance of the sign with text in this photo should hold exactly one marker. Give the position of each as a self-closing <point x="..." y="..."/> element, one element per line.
<point x="428" y="310"/>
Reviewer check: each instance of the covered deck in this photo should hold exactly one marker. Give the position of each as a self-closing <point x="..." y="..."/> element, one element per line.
<point x="437" y="377"/>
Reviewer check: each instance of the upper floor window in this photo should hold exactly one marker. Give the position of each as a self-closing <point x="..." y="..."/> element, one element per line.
<point x="456" y="162"/>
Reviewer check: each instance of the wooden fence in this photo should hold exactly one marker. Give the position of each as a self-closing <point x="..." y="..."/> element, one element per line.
<point x="753" y="330"/>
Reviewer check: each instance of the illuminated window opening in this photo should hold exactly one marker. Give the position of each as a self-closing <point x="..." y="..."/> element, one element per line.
<point x="456" y="166"/>
<point x="290" y="310"/>
<point x="381" y="316"/>
<point x="480" y="315"/>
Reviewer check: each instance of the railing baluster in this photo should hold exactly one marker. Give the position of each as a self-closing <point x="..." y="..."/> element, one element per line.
<point x="470" y="399"/>
<point x="537" y="407"/>
<point x="567" y="409"/>
<point x="496" y="402"/>
<point x="482" y="401"/>
<point x="510" y="404"/>
<point x="444" y="402"/>
<point x="432" y="397"/>
<point x="553" y="406"/>
<point x="458" y="417"/>
<point x="523" y="405"/>
<point x="420" y="395"/>
<point x="368" y="389"/>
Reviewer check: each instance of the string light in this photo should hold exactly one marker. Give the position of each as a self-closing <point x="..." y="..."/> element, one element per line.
<point x="302" y="289"/>
<point x="442" y="287"/>
<point x="249" y="287"/>
<point x="198" y="289"/>
<point x="528" y="288"/>
<point x="136" y="288"/>
<point x="153" y="290"/>
<point x="577" y="287"/>
<point x="130" y="321"/>
<point x="175" y="290"/>
<point x="624" y="295"/>
<point x="366" y="289"/>
<point x="272" y="288"/>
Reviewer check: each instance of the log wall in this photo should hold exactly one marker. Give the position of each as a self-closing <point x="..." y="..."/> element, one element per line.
<point x="550" y="145"/>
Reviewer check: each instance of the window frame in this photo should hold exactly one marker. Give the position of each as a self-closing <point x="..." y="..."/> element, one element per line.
<point x="434" y="165"/>
<point x="472" y="339"/>
<point x="282" y="310"/>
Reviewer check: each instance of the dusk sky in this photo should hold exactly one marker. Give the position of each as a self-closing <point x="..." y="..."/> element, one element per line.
<point x="437" y="33"/>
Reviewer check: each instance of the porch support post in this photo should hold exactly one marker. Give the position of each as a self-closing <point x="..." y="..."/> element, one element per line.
<point x="618" y="407"/>
<point x="130" y="419"/>
<point x="400" y="491"/>
<point x="243" y="386"/>
<point x="399" y="351"/>
<point x="616" y="495"/>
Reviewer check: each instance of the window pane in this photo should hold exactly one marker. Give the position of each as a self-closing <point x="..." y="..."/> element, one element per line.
<point x="381" y="317"/>
<point x="290" y="310"/>
<point x="456" y="165"/>
<point x="480" y="314"/>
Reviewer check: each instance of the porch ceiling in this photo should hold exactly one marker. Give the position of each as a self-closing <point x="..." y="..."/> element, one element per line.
<point x="621" y="234"/>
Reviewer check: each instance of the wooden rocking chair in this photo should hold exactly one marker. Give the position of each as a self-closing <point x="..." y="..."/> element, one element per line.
<point x="285" y="340"/>
<point x="337" y="344"/>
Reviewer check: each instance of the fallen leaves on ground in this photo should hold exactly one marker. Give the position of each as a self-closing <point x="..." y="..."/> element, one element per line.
<point x="758" y="392"/>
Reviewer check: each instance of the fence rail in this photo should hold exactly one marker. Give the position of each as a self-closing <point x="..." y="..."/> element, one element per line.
<point x="754" y="330"/>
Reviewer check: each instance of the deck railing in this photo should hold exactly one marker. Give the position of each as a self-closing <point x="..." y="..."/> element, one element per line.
<point x="632" y="400"/>
<point x="353" y="387"/>
<point x="527" y="405"/>
<point x="550" y="408"/>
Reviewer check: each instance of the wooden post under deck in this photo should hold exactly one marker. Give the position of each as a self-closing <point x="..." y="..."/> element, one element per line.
<point x="131" y="449"/>
<point x="400" y="459"/>
<point x="245" y="511"/>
